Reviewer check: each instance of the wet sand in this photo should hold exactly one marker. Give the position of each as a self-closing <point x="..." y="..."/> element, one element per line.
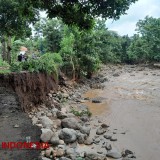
<point x="132" y="109"/>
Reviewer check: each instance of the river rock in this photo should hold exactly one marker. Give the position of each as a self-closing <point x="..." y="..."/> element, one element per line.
<point x="34" y="120"/>
<point x="94" y="156"/>
<point x="88" y="141"/>
<point x="85" y="118"/>
<point x="68" y="135"/>
<point x="60" y="152"/>
<point x="49" y="152"/>
<point x="113" y="139"/>
<point x="100" y="131"/>
<point x="114" y="154"/>
<point x="44" y="158"/>
<point x="116" y="74"/>
<point x="96" y="100"/>
<point x="81" y="137"/>
<point x="108" y="146"/>
<point x="71" y="153"/>
<point x="64" y="158"/>
<point x="61" y="115"/>
<point x="107" y="136"/>
<point x="85" y="130"/>
<point x="72" y="123"/>
<point x="55" y="139"/>
<point x="46" y="135"/>
<point x="46" y="122"/>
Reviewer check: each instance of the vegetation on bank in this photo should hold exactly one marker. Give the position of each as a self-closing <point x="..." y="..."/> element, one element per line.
<point x="78" y="43"/>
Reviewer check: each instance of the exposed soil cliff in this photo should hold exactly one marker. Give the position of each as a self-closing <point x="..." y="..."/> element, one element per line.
<point x="31" y="88"/>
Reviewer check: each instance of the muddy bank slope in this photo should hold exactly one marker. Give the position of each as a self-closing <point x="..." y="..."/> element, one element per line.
<point x="31" y="88"/>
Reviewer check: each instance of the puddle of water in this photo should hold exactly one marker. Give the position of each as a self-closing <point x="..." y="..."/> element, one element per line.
<point x="96" y="108"/>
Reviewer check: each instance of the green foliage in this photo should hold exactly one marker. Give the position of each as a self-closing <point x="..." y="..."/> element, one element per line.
<point x="48" y="63"/>
<point x="81" y="113"/>
<point x="82" y="13"/>
<point x="52" y="32"/>
<point x="3" y="63"/>
<point x="4" y="66"/>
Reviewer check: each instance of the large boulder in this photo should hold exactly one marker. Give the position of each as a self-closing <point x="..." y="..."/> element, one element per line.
<point x="46" y="135"/>
<point x="68" y="135"/>
<point x="72" y="123"/>
<point x="46" y="122"/>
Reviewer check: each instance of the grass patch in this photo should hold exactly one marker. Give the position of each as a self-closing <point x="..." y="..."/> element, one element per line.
<point x="81" y="113"/>
<point x="4" y="67"/>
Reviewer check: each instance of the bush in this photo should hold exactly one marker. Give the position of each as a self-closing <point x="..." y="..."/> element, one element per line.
<point x="49" y="63"/>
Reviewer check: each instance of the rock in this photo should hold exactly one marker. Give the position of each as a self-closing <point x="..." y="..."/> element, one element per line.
<point x="100" y="131"/>
<point x="68" y="135"/>
<point x="94" y="156"/>
<point x="46" y="122"/>
<point x="116" y="74"/>
<point x="49" y="114"/>
<point x="46" y="135"/>
<point x="71" y="153"/>
<point x="55" y="139"/>
<point x="70" y="115"/>
<point x="85" y="130"/>
<point x="157" y="65"/>
<point x="61" y="142"/>
<point x="44" y="158"/>
<point x="70" y="123"/>
<point x="85" y="118"/>
<point x="16" y="126"/>
<point x="39" y="125"/>
<point x="48" y="152"/>
<point x="108" y="147"/>
<point x="64" y="158"/>
<point x="61" y="115"/>
<point x="54" y="112"/>
<point x="126" y="153"/>
<point x="57" y="123"/>
<point x="50" y="95"/>
<point x="113" y="154"/>
<point x="65" y="95"/>
<point x="81" y="137"/>
<point x="96" y="100"/>
<point x="62" y="146"/>
<point x="104" y="125"/>
<point x="107" y="136"/>
<point x="60" y="152"/>
<point x="88" y="141"/>
<point x="34" y="120"/>
<point x="97" y="140"/>
<point x="113" y="139"/>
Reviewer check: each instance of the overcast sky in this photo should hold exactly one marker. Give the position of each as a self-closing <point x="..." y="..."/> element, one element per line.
<point x="127" y="23"/>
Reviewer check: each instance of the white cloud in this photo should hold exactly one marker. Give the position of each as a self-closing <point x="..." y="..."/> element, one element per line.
<point x="127" y="23"/>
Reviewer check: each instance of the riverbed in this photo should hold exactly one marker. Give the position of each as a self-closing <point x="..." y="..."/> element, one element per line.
<point x="131" y="108"/>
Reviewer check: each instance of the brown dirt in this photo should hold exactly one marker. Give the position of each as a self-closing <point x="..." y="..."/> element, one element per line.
<point x="31" y="88"/>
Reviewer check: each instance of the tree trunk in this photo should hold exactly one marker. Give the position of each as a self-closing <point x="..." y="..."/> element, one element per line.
<point x="4" y="55"/>
<point x="73" y="70"/>
<point x="9" y="50"/>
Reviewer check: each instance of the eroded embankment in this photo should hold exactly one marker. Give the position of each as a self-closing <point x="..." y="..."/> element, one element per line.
<point x="31" y="88"/>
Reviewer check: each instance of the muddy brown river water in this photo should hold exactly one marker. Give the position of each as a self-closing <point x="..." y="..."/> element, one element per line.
<point x="132" y="109"/>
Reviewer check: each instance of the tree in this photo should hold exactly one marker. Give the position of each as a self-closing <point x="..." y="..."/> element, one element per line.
<point x="82" y="12"/>
<point x="149" y="29"/>
<point x="13" y="22"/>
<point x="138" y="51"/>
<point x="52" y="33"/>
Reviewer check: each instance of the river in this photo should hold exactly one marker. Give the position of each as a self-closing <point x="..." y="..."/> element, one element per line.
<point x="131" y="108"/>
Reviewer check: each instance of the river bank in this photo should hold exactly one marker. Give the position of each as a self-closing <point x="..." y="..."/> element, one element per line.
<point x="124" y="103"/>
